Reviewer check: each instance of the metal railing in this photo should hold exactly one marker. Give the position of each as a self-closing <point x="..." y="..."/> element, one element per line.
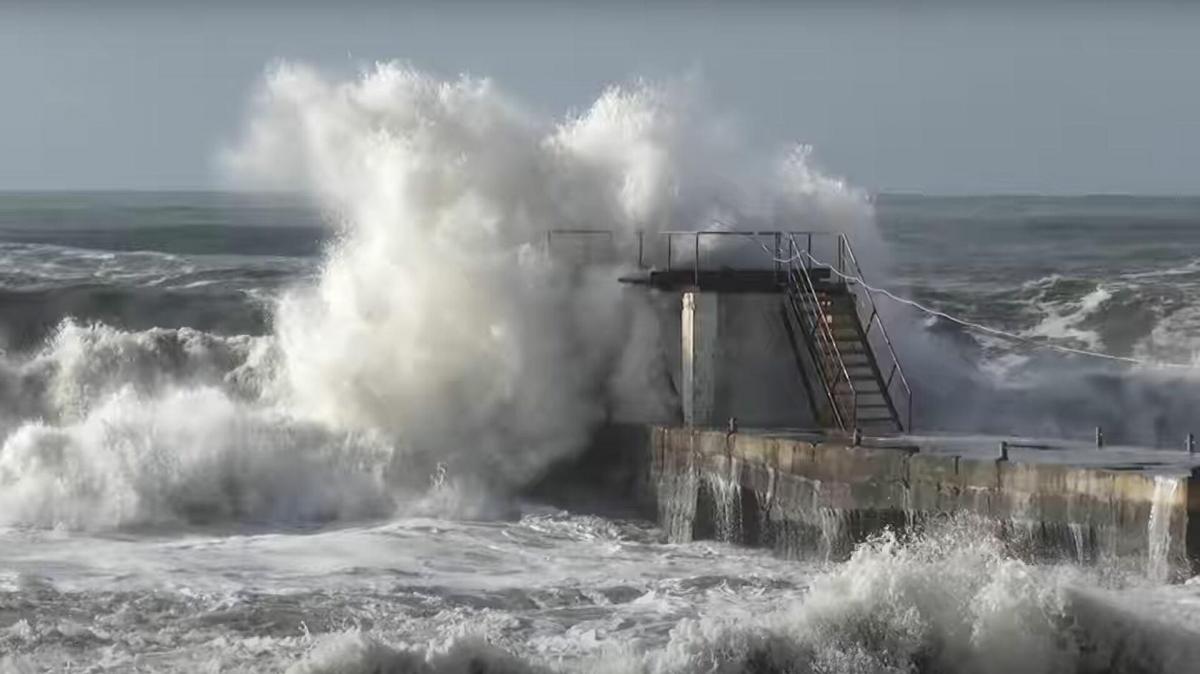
<point x="697" y="250"/>
<point x="806" y="308"/>
<point x="895" y="384"/>
<point x="770" y="242"/>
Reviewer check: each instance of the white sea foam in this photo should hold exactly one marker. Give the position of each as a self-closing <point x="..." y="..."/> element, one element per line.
<point x="188" y="455"/>
<point x="567" y="594"/>
<point x="1061" y="322"/>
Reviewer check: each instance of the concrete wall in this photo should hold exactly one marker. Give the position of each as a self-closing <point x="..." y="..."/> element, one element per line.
<point x="818" y="498"/>
<point x="734" y="360"/>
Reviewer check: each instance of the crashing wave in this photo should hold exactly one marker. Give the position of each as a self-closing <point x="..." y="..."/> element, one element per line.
<point x="439" y="330"/>
<point x="948" y="601"/>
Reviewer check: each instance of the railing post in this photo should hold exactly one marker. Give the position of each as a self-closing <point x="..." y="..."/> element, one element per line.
<point x="641" y="246"/>
<point x="853" y="397"/>
<point x="778" y="264"/>
<point x="669" y="238"/>
<point x="696" y="268"/>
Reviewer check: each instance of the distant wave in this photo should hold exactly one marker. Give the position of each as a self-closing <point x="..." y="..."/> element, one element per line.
<point x="43" y="284"/>
<point x="192" y="239"/>
<point x="30" y="316"/>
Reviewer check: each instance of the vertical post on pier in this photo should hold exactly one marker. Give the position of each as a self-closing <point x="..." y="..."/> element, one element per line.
<point x="641" y="248"/>
<point x="699" y="348"/>
<point x="1003" y="450"/>
<point x="1099" y="437"/>
<point x="777" y="255"/>
<point x="1190" y="443"/>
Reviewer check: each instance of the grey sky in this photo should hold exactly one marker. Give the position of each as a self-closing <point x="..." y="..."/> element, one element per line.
<point x="1070" y="98"/>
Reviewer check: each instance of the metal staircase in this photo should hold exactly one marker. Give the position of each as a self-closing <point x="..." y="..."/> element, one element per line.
<point x="840" y="339"/>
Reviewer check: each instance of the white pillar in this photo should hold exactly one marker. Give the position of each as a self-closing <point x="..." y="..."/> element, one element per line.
<point x="699" y="370"/>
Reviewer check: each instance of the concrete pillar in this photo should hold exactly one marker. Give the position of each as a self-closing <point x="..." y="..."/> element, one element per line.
<point x="699" y="348"/>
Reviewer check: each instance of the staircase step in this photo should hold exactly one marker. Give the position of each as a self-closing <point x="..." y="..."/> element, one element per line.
<point x="841" y="311"/>
<point x="848" y="343"/>
<point x="853" y="348"/>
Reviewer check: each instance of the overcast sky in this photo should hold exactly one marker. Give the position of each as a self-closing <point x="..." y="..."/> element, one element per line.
<point x="1070" y="97"/>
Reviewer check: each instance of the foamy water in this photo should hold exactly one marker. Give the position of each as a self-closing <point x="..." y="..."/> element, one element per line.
<point x="556" y="592"/>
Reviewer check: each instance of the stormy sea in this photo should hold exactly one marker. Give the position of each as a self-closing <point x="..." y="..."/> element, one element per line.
<point x="292" y="427"/>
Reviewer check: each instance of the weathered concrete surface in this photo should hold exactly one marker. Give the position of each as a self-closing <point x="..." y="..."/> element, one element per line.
<point x="813" y="496"/>
<point x="730" y="356"/>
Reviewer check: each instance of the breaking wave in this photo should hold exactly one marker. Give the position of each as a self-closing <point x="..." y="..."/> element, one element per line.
<point x="439" y="338"/>
<point x="439" y="318"/>
<point x="948" y="601"/>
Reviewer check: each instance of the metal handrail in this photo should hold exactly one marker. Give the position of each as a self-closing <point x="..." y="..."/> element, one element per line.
<point x="777" y="236"/>
<point x="763" y="238"/>
<point x="827" y="356"/>
<point x="848" y="265"/>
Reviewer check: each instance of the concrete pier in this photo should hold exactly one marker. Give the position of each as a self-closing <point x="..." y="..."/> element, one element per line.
<point x="807" y="495"/>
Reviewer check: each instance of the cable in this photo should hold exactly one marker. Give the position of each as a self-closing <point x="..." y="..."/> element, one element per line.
<point x="971" y="325"/>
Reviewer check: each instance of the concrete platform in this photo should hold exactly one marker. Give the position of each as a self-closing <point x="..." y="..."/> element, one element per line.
<point x="806" y="494"/>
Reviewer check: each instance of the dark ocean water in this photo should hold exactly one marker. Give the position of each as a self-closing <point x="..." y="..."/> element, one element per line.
<point x="1117" y="274"/>
<point x="138" y="260"/>
<point x="1112" y="274"/>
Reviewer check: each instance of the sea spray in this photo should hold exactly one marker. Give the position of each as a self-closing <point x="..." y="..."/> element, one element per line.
<point x="440" y="334"/>
<point x="189" y="455"/>
<point x="439" y="318"/>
